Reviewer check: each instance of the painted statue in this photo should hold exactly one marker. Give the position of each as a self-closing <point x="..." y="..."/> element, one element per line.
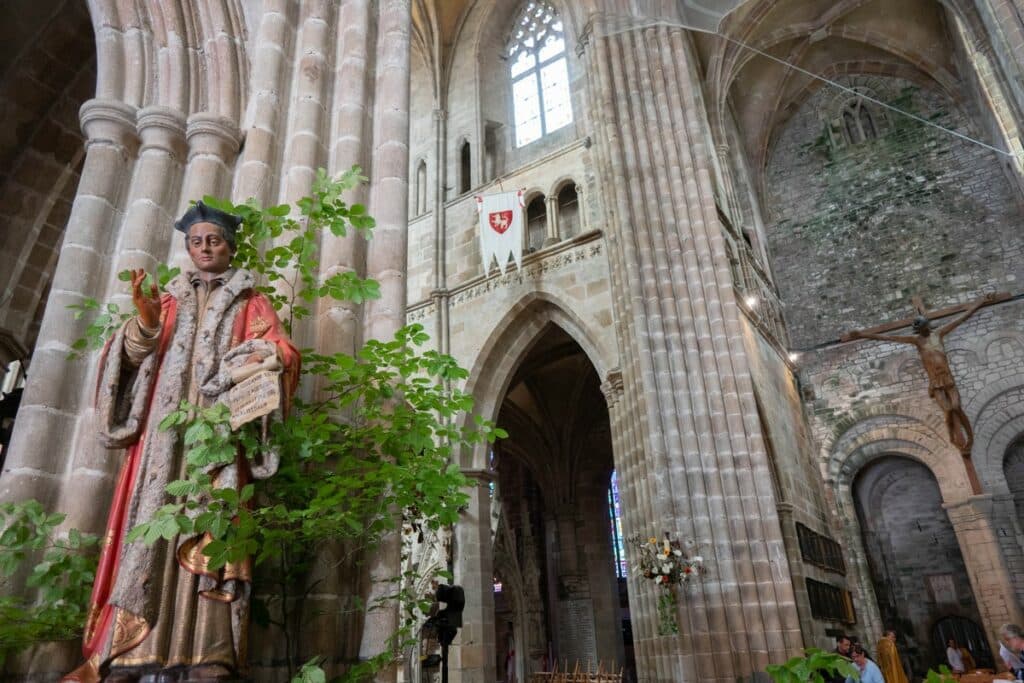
<point x="157" y="612"/>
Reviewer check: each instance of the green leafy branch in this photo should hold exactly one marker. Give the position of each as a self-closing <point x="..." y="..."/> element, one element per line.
<point x="63" y="577"/>
<point x="813" y="667"/>
<point x="283" y="250"/>
<point x="108" y="318"/>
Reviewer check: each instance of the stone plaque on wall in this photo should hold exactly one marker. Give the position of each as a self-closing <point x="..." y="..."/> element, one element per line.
<point x="941" y="588"/>
<point x="577" y="641"/>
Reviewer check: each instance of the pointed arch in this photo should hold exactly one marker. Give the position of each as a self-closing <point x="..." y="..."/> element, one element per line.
<point x="509" y="343"/>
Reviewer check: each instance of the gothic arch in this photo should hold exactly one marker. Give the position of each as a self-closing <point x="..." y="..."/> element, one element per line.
<point x="510" y="341"/>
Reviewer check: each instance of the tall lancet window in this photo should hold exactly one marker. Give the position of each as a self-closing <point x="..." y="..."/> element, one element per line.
<point x="540" y="73"/>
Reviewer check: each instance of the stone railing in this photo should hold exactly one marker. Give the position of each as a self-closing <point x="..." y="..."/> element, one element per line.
<point x="754" y="288"/>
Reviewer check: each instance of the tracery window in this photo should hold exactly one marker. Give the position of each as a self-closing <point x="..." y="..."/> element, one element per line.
<point x="858" y="122"/>
<point x="540" y="73"/>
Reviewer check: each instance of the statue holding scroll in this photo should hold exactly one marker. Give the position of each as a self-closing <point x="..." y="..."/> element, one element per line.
<point x="157" y="611"/>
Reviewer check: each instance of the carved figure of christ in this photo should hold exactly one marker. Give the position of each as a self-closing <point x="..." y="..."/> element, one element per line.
<point x="941" y="383"/>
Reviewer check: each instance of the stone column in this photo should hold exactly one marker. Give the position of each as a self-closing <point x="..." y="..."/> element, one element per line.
<point x="271" y="56"/>
<point x="148" y="224"/>
<point x="687" y="385"/>
<point x="991" y="583"/>
<point x="58" y="389"/>
<point x="552" y="223"/>
<point x="386" y="259"/>
<point x="581" y="209"/>
<point x="142" y="242"/>
<point x="339" y="321"/>
<point x="472" y="655"/>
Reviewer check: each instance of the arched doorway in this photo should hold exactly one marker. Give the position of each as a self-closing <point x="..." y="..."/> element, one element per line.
<point x="558" y="595"/>
<point x="913" y="555"/>
<point x="1013" y="469"/>
<point x="967" y="634"/>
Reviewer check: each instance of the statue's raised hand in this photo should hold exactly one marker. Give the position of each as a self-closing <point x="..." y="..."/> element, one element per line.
<point x="148" y="305"/>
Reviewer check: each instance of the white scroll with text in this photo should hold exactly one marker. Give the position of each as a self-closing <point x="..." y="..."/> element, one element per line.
<point x="501" y="228"/>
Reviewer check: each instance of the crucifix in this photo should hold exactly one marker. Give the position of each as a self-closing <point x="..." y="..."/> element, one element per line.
<point x="941" y="383"/>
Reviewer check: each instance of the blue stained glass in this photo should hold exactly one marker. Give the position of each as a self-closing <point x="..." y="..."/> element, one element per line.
<point x="615" y="516"/>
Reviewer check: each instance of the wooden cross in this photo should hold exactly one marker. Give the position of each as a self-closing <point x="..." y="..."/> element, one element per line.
<point x="941" y="384"/>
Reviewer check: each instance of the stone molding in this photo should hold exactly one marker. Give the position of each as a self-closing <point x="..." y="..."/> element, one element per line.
<point x="481" y="477"/>
<point x="162" y="128"/>
<point x="214" y="135"/>
<point x="563" y="254"/>
<point x="109" y="122"/>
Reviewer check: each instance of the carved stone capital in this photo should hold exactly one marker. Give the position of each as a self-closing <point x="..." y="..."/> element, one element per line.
<point x="612" y="387"/>
<point x="162" y="128"/>
<point x="110" y="122"/>
<point x="213" y="135"/>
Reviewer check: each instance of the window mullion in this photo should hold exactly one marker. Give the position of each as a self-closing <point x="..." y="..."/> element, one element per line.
<point x="540" y="99"/>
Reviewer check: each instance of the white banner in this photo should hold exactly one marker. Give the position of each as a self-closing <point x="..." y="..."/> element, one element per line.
<point x="501" y="228"/>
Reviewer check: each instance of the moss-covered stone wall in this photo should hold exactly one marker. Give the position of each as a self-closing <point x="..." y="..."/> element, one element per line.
<point x="858" y="226"/>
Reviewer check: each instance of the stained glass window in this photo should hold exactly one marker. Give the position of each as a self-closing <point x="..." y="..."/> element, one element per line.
<point x="615" y="515"/>
<point x="540" y="73"/>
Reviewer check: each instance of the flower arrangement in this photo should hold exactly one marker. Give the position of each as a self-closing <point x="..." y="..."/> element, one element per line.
<point x="668" y="565"/>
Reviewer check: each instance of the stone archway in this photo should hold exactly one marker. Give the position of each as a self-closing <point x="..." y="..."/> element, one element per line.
<point x="553" y="552"/>
<point x="913" y="554"/>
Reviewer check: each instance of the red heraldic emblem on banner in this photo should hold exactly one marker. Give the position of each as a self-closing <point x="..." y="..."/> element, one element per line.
<point x="500" y="221"/>
<point x="501" y="229"/>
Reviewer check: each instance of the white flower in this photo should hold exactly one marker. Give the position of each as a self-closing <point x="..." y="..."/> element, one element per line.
<point x="677" y="553"/>
<point x="698" y="559"/>
<point x="666" y="569"/>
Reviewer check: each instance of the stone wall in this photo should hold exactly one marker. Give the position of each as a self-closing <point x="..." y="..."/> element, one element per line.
<point x="799" y="488"/>
<point x="856" y="229"/>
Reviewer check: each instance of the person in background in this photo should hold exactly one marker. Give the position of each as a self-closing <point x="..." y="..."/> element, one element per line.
<point x="953" y="657"/>
<point x="843" y="645"/>
<point x="869" y="671"/>
<point x="1011" y="643"/>
<point x="889" y="659"/>
<point x="969" y="664"/>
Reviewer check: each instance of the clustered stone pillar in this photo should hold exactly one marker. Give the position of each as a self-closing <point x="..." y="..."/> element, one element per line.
<point x="688" y="400"/>
<point x="386" y="263"/>
<point x="59" y="390"/>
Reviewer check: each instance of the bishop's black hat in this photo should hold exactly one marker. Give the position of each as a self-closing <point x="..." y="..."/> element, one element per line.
<point x="201" y="213"/>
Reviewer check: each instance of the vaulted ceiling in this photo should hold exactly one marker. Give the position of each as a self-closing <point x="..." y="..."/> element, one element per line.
<point x="746" y="70"/>
<point x="749" y="70"/>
